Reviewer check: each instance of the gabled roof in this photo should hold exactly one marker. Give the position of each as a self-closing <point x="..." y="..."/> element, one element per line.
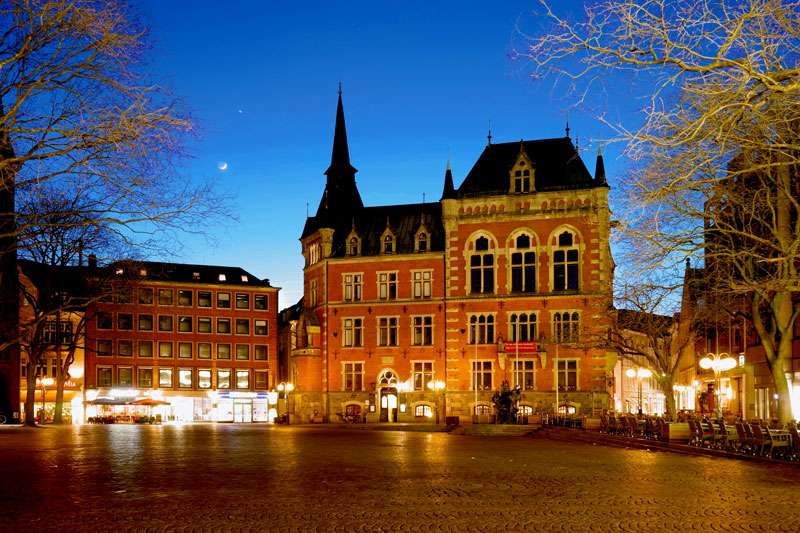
<point x="557" y="166"/>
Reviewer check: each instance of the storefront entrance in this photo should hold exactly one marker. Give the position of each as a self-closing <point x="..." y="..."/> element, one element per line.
<point x="243" y="412"/>
<point x="388" y="404"/>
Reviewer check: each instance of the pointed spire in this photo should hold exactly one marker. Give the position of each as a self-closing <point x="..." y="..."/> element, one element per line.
<point x="490" y="133"/>
<point x="567" y="125"/>
<point x="340" y="157"/>
<point x="600" y="169"/>
<point x="449" y="191"/>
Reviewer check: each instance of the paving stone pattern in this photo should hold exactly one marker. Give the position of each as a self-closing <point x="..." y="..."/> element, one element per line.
<point x="265" y="478"/>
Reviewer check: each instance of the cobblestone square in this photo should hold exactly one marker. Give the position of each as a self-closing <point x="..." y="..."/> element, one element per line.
<point x="266" y="478"/>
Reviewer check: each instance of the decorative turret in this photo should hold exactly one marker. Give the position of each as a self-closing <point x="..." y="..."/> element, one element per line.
<point x="449" y="191"/>
<point x="600" y="169"/>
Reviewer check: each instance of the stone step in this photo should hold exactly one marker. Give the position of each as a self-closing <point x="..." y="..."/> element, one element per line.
<point x="495" y="430"/>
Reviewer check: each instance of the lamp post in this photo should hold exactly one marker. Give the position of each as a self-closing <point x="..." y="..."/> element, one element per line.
<point x="718" y="363"/>
<point x="286" y="388"/>
<point x="639" y="373"/>
<point x="44" y="382"/>
<point x="436" y="386"/>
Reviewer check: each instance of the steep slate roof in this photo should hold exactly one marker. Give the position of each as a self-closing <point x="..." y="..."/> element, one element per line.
<point x="556" y="162"/>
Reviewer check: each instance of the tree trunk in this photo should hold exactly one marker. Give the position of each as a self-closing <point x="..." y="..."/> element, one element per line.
<point x="669" y="399"/>
<point x="30" y="400"/>
<point x="57" y="413"/>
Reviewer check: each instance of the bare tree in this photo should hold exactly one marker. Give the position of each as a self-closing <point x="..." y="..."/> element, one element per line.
<point x="81" y="113"/>
<point x="714" y="154"/>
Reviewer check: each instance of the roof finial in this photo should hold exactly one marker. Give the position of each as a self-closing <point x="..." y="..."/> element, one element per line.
<point x="490" y="133"/>
<point x="568" y="124"/>
<point x="423" y="198"/>
<point x="340" y="87"/>
<point x="448" y="158"/>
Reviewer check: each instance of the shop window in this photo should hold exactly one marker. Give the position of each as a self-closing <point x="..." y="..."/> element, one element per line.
<point x="481" y="267"/>
<point x="483" y="409"/>
<point x="482" y="375"/>
<point x="353" y="376"/>
<point x="165" y="378"/>
<point x="145" y="296"/>
<point x="145" y="322"/>
<point x="165" y="297"/>
<point x="422" y="330"/>
<point x="421" y="374"/>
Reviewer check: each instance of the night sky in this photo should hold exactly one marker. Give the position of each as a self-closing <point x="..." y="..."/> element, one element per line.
<point x="419" y="80"/>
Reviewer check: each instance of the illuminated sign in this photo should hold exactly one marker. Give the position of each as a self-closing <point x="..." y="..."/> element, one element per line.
<point x="251" y="395"/>
<point x="522" y="347"/>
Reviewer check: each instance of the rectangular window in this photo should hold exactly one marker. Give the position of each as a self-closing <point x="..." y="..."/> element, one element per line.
<point x="184" y="298"/>
<point x="185" y="324"/>
<point x="105" y="320"/>
<point x="260" y="327"/>
<point x="165" y="378"/>
<point x="145" y="348"/>
<point x="260" y="302"/>
<point x="353" y="376"/>
<point x="124" y="295"/>
<point x="204" y="350"/>
<point x="145" y="296"/>
<point x="482" y="273"/>
<point x="261" y="352"/>
<point x="224" y="325"/>
<point x="565" y="270"/>
<point x="223" y="378"/>
<point x="203" y="298"/>
<point x="203" y="324"/>
<point x="481" y="329"/>
<point x="185" y="378"/>
<point x="482" y="375"/>
<point x="262" y="379"/>
<point x="223" y="300"/>
<point x="103" y="377"/>
<point x="125" y="348"/>
<point x="242" y="326"/>
<point x="165" y="297"/>
<point x="567" y="375"/>
<point x="204" y="379"/>
<point x="422" y="283"/>
<point x="422" y="330"/>
<point x="242" y="379"/>
<point x="165" y="350"/>
<point x="523" y="272"/>
<point x="352" y="287"/>
<point x="353" y="332"/>
<point x="242" y="352"/>
<point x="387" y="331"/>
<point x="242" y="301"/>
<point x="523" y="373"/>
<point x="387" y="285"/>
<point x="145" y="378"/>
<point x="125" y="376"/>
<point x="124" y="321"/>
<point x="522" y="327"/>
<point x="164" y="323"/>
<point x="184" y="350"/>
<point x="105" y="347"/>
<point x="145" y="322"/>
<point x="224" y="352"/>
<point x="422" y="374"/>
<point x="566" y="326"/>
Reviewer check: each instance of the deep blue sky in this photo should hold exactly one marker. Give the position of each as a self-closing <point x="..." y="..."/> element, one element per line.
<point x="418" y="79"/>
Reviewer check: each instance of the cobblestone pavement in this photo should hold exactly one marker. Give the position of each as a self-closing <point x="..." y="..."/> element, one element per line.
<point x="266" y="478"/>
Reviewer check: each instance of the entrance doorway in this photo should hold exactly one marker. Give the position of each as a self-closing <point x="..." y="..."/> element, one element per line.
<point x="243" y="412"/>
<point x="388" y="404"/>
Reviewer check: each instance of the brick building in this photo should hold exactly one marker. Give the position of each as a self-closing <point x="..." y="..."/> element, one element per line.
<point x="506" y="279"/>
<point x="201" y="338"/>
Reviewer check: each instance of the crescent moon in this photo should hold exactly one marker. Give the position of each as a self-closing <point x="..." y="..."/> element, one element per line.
<point x="222" y="165"/>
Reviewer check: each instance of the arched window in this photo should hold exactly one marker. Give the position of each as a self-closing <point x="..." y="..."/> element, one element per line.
<point x="422" y="242"/>
<point x="388" y="243"/>
<point x="566" y="326"/>
<point x="353" y="246"/>
<point x="523" y="266"/>
<point x="482" y="267"/>
<point x="481" y="329"/>
<point x="565" y="264"/>
<point x="423" y="411"/>
<point x="522" y="327"/>
<point x="387" y="377"/>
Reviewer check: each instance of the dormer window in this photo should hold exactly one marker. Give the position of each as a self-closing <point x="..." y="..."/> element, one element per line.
<point x="422" y="242"/>
<point x="353" y="242"/>
<point x="222" y="277"/>
<point x="352" y="246"/>
<point x="388" y="244"/>
<point x="521" y="175"/>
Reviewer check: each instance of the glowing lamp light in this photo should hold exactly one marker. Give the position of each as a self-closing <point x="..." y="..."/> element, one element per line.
<point x="436" y="385"/>
<point x="288" y="387"/>
<point x="638" y="372"/>
<point x="717" y="365"/>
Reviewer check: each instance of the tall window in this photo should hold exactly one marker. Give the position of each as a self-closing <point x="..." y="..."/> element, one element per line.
<point x="482" y="375"/>
<point x="423" y="330"/>
<point x="422" y="374"/>
<point x="388" y="243"/>
<point x="242" y="379"/>
<point x="522" y="327"/>
<point x="567" y="375"/>
<point x="566" y="326"/>
<point x="422" y="280"/>
<point x="353" y="376"/>
<point x="422" y="242"/>
<point x="352" y="287"/>
<point x="103" y="377"/>
<point x="312" y="293"/>
<point x="481" y="329"/>
<point x="353" y="332"/>
<point x="565" y="264"/>
<point x="224" y="378"/>
<point x="387" y="285"/>
<point x="482" y="267"/>
<point x="145" y="378"/>
<point x="523" y="373"/>
<point x="165" y="378"/>
<point x="523" y="266"/>
<point x="353" y="245"/>
<point x="387" y="331"/>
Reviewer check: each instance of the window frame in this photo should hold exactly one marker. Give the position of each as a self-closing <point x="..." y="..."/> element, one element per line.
<point x="353" y="333"/>
<point x="388" y="331"/>
<point x="422" y="330"/>
<point x="352" y="376"/>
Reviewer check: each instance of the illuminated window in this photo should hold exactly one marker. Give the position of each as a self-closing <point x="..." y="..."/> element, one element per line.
<point x="223" y="378"/>
<point x="224" y="352"/>
<point x="387" y="331"/>
<point x="204" y="379"/>
<point x="421" y="374"/>
<point x="185" y="324"/>
<point x="423" y="411"/>
<point x="481" y="329"/>
<point x="165" y="378"/>
<point x="242" y="301"/>
<point x="565" y="263"/>
<point x="165" y="350"/>
<point x="223" y="326"/>
<point x="353" y="332"/>
<point x="184" y="350"/>
<point x="566" y="327"/>
<point x="481" y="267"/>
<point x="482" y="375"/>
<point x="483" y="409"/>
<point x="567" y="375"/>
<point x="522" y="327"/>
<point x="223" y="300"/>
<point x="387" y="285"/>
<point x="523" y="373"/>
<point x="422" y="280"/>
<point x="352" y="287"/>
<point x="422" y="328"/>
<point x="353" y="376"/>
<point x="242" y="379"/>
<point x="185" y="298"/>
<point x="185" y="378"/>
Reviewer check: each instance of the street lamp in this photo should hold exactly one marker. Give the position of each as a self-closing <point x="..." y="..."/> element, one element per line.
<point x="437" y="386"/>
<point x="286" y="388"/>
<point x="640" y="374"/>
<point x="718" y="363"/>
<point x="44" y="382"/>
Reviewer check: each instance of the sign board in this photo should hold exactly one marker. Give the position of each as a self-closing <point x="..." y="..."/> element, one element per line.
<point x="527" y="347"/>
